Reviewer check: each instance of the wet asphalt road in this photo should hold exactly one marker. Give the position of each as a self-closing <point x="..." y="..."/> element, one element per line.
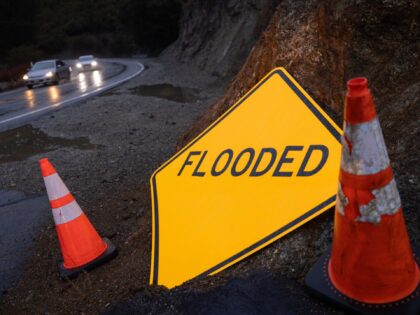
<point x="21" y="220"/>
<point x="22" y="105"/>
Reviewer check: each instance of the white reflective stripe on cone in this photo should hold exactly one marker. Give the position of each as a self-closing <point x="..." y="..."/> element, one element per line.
<point x="368" y="154"/>
<point x="67" y="213"/>
<point x="55" y="187"/>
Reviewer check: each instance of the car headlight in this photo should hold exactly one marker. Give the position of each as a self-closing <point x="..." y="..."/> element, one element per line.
<point x="94" y="63"/>
<point x="49" y="74"/>
<point x="78" y="65"/>
<point x="25" y="77"/>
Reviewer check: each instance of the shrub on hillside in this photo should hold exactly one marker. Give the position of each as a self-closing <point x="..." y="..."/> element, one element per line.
<point x="13" y="73"/>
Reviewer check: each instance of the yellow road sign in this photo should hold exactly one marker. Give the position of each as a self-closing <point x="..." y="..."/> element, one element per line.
<point x="264" y="168"/>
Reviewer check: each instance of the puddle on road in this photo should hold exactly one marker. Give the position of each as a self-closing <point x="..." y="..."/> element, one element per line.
<point x="20" y="143"/>
<point x="168" y="91"/>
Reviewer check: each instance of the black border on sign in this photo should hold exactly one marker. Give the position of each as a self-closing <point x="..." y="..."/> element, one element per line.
<point x="335" y="133"/>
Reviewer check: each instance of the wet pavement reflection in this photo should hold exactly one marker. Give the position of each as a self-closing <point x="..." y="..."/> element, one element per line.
<point x="89" y="79"/>
<point x="22" y="105"/>
<point x="97" y="78"/>
<point x="53" y="94"/>
<point x="29" y="94"/>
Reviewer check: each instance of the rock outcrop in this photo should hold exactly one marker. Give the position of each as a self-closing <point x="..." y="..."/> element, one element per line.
<point x="217" y="35"/>
<point x="324" y="43"/>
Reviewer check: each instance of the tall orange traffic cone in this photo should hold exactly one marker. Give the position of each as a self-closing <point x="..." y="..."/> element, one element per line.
<point x="372" y="264"/>
<point x="81" y="246"/>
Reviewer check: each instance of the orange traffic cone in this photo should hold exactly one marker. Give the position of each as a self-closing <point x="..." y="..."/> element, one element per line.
<point x="81" y="246"/>
<point x="372" y="264"/>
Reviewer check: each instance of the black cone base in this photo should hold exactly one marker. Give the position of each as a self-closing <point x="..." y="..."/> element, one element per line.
<point x="111" y="252"/>
<point x="318" y="282"/>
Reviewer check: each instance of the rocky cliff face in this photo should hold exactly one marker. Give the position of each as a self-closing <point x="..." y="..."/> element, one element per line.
<point x="325" y="43"/>
<point x="217" y="35"/>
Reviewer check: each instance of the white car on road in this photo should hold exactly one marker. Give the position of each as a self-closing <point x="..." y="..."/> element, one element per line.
<point x="87" y="63"/>
<point x="47" y="72"/>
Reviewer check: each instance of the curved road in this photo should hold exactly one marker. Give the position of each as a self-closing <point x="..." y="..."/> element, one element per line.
<point x="18" y="227"/>
<point x="21" y="105"/>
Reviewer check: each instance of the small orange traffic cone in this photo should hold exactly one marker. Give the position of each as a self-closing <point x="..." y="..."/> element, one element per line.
<point x="372" y="264"/>
<point x="81" y="246"/>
